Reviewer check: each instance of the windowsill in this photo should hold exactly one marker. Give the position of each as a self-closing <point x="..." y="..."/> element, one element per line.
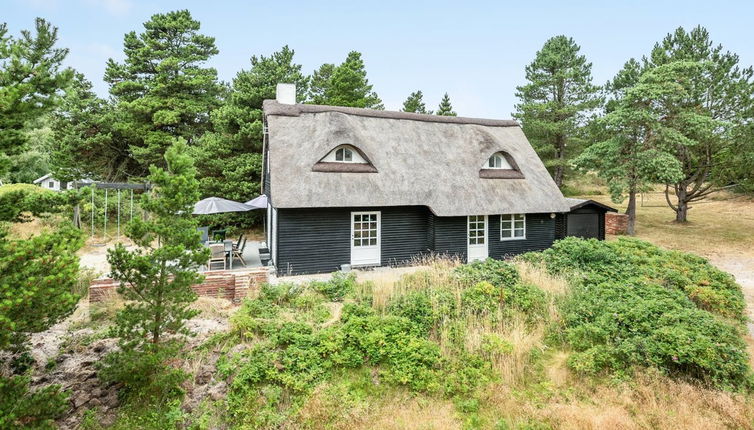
<point x="343" y="167"/>
<point x="500" y="174"/>
<point x="508" y="239"/>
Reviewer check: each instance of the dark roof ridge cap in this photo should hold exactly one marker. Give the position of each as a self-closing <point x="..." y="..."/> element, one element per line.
<point x="272" y="107"/>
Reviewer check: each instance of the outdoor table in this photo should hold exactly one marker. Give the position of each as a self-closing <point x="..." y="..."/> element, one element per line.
<point x="229" y="250"/>
<point x="228" y="244"/>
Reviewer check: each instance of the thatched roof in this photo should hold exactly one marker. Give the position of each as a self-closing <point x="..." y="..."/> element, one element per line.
<point x="580" y="203"/>
<point x="426" y="160"/>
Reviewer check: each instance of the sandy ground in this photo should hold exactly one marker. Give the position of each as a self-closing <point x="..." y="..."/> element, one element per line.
<point x="741" y="266"/>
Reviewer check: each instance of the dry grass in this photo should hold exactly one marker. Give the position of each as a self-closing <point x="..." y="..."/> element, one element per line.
<point x="396" y="410"/>
<point x="214" y="308"/>
<point x="649" y="401"/>
<point x="537" y="276"/>
<point x="721" y="224"/>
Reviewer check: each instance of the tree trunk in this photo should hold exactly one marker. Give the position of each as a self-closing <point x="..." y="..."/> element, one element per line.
<point x="682" y="208"/>
<point x="631" y="212"/>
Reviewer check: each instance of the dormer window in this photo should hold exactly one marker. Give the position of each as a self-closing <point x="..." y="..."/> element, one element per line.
<point x="344" y="154"/>
<point x="344" y="158"/>
<point x="498" y="161"/>
<point x="500" y="165"/>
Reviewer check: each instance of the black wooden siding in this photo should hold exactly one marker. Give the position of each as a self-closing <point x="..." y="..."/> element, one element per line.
<point x="540" y="234"/>
<point x="319" y="240"/>
<point x="450" y="236"/>
<point x="560" y="226"/>
<point x="561" y="221"/>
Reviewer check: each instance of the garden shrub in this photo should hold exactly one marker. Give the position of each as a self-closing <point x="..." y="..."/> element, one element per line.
<point x="290" y="358"/>
<point x="628" y="258"/>
<point x="508" y="288"/>
<point x="336" y="289"/>
<point x="616" y="325"/>
<point x="427" y="308"/>
<point x="22" y="408"/>
<point x="634" y="304"/>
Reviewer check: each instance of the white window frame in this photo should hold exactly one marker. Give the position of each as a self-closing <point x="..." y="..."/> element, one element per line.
<point x="347" y="154"/>
<point x="494" y="158"/>
<point x="512" y="230"/>
<point x="344" y="149"/>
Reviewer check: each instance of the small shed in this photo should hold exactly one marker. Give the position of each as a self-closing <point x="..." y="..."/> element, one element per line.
<point x="50" y="183"/>
<point x="586" y="219"/>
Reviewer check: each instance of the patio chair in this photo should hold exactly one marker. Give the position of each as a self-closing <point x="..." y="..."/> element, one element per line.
<point x="205" y="234"/>
<point x="238" y="242"/>
<point x="238" y="251"/>
<point x="217" y="256"/>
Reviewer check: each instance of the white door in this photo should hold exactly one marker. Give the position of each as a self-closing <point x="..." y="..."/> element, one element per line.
<point x="477" y="238"/>
<point x="365" y="238"/>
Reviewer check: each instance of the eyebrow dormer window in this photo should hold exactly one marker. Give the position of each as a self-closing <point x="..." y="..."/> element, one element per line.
<point x="344" y="158"/>
<point x="344" y="154"/>
<point x="500" y="165"/>
<point x="498" y="161"/>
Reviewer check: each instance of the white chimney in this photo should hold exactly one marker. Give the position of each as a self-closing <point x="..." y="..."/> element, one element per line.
<point x="286" y="94"/>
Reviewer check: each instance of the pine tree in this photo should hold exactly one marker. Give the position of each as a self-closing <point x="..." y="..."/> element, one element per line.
<point x="37" y="280"/>
<point x="714" y="150"/>
<point x="415" y="103"/>
<point x="163" y="90"/>
<point x="31" y="76"/>
<point x="344" y="85"/>
<point x="86" y="142"/>
<point x="156" y="277"/>
<point x="320" y="83"/>
<point x="229" y="159"/>
<point x="625" y="155"/>
<point x="445" y="108"/>
<point x="556" y="102"/>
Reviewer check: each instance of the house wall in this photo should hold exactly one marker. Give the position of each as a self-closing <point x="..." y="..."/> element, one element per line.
<point x="315" y="240"/>
<point x="540" y="234"/>
<point x="318" y="240"/>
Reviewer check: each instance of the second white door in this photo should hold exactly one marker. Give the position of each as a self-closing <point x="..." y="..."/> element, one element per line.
<point x="477" y="238"/>
<point x="365" y="238"/>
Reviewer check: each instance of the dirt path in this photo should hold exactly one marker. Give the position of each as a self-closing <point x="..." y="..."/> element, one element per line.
<point x="741" y="266"/>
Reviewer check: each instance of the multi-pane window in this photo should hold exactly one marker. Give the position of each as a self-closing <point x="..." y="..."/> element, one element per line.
<point x="512" y="226"/>
<point x="476" y="230"/>
<point x="364" y="229"/>
<point x="498" y="161"/>
<point x="343" y="154"/>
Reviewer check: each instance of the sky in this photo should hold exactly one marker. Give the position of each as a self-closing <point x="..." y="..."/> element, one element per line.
<point x="474" y="50"/>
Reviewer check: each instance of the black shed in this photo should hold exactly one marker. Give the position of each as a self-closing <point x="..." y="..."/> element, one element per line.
<point x="585" y="219"/>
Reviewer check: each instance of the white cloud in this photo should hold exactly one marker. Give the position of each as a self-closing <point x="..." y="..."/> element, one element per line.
<point x="113" y="7"/>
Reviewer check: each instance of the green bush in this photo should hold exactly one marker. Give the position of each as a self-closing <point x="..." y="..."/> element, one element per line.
<point x="17" y="199"/>
<point x="21" y="408"/>
<point x="338" y="287"/>
<point x="634" y="304"/>
<point x="616" y="325"/>
<point x="494" y="281"/>
<point x="290" y="358"/>
<point x="146" y="378"/>
<point x="426" y="308"/>
<point x="627" y="258"/>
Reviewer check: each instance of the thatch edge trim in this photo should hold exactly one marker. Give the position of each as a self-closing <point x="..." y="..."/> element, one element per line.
<point x="272" y="107"/>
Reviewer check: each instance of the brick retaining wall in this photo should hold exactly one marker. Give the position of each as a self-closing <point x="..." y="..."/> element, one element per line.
<point x="616" y="223"/>
<point x="231" y="285"/>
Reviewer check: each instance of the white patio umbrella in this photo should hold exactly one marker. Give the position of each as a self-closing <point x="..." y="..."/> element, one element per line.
<point x="216" y="205"/>
<point x="258" y="202"/>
